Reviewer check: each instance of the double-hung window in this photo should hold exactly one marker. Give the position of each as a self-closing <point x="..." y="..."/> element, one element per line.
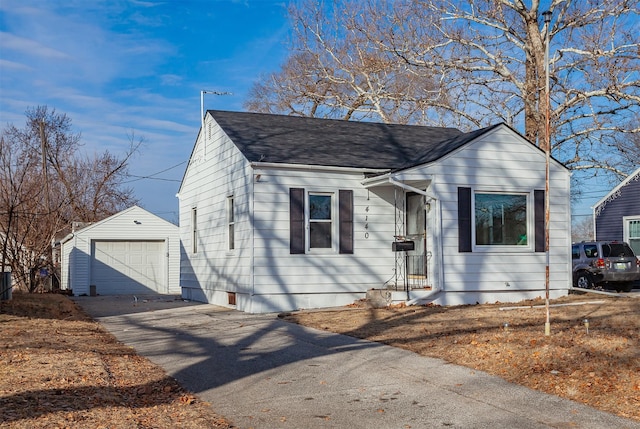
<point x="320" y="221"/>
<point x="230" y="223"/>
<point x="194" y="230"/>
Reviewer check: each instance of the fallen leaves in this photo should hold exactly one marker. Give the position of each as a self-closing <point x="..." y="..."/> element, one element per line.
<point x="72" y="374"/>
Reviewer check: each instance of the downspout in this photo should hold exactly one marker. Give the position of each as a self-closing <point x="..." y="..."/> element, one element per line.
<point x="435" y="289"/>
<point x="252" y="220"/>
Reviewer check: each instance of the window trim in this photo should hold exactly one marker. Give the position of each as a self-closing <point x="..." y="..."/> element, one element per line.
<point x="342" y="217"/>
<point x="194" y="230"/>
<point x="333" y="221"/>
<point x="505" y="248"/>
<point x="230" y="217"/>
<point x="626" y="222"/>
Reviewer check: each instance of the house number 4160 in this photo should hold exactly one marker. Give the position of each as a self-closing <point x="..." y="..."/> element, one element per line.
<point x="366" y="223"/>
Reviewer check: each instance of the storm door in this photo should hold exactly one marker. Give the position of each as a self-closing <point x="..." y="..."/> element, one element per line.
<point x="416" y="232"/>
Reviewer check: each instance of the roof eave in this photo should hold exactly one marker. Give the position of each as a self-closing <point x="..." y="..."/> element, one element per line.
<point x="277" y="165"/>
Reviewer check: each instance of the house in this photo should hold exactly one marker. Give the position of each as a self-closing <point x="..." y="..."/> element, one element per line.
<point x="131" y="252"/>
<point x="16" y="264"/>
<point x="280" y="213"/>
<point x="617" y="214"/>
<point x="6" y="280"/>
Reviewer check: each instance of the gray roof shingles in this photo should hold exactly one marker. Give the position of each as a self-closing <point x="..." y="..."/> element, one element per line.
<point x="311" y="141"/>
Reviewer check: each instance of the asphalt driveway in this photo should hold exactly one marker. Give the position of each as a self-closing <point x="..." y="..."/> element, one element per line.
<point x="261" y="372"/>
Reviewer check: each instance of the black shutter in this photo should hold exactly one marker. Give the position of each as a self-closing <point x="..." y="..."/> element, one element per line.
<point x="345" y="219"/>
<point x="296" y="221"/>
<point x="464" y="219"/>
<point x="540" y="233"/>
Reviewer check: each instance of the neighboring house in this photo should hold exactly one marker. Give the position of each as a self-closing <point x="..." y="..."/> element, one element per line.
<point x="279" y="213"/>
<point x="18" y="255"/>
<point x="6" y="280"/>
<point x="617" y="215"/>
<point x="131" y="252"/>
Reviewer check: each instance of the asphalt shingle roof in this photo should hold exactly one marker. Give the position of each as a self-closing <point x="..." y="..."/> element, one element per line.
<point x="311" y="141"/>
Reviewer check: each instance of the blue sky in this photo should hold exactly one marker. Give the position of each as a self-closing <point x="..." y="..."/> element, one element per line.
<point x="118" y="67"/>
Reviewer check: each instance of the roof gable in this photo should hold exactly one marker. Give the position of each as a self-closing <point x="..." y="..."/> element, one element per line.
<point x="614" y="192"/>
<point x="138" y="211"/>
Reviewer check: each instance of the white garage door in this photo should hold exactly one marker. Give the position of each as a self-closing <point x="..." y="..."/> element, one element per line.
<point x="128" y="267"/>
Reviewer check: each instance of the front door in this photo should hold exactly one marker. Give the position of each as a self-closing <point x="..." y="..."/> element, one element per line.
<point x="416" y="232"/>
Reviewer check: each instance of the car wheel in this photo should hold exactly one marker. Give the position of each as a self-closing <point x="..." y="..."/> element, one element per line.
<point x="583" y="280"/>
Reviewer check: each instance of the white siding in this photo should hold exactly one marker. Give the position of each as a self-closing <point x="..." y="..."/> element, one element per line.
<point x="133" y="224"/>
<point x="326" y="277"/>
<point x="212" y="176"/>
<point x="500" y="161"/>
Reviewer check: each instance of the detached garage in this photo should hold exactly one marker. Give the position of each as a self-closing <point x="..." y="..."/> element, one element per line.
<point x="131" y="252"/>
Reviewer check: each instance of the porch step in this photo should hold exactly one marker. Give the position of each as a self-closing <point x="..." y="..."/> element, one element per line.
<point x="380" y="298"/>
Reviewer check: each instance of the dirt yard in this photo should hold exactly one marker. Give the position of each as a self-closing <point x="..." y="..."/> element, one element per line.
<point x="60" y="369"/>
<point x="598" y="366"/>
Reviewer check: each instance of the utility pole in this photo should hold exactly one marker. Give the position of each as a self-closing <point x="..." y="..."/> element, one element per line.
<point x="45" y="175"/>
<point x="547" y="21"/>
<point x="47" y="208"/>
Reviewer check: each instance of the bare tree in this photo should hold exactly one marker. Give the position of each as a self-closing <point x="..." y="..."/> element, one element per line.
<point x="46" y="184"/>
<point x="583" y="229"/>
<point x="338" y="70"/>
<point x="470" y="63"/>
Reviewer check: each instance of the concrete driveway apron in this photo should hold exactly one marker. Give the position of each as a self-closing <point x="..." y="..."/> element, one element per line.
<point x="261" y="372"/>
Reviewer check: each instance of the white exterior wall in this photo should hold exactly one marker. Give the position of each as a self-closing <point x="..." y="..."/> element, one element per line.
<point x="261" y="270"/>
<point x="500" y="161"/>
<point x="323" y="277"/>
<point x="76" y="249"/>
<point x="216" y="172"/>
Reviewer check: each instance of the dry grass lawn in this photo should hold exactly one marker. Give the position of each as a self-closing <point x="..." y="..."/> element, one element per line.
<point x="60" y="369"/>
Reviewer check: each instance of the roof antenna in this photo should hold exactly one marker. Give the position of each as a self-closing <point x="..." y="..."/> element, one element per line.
<point x="202" y="93"/>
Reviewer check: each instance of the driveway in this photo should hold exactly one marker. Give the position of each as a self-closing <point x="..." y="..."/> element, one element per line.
<point x="261" y="372"/>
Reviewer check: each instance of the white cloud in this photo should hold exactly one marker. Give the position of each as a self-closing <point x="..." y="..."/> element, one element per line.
<point x="30" y="47"/>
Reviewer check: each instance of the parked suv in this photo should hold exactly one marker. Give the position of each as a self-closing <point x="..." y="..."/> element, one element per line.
<point x="611" y="264"/>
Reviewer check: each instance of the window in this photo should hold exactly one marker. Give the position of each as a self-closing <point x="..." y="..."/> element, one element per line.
<point x="632" y="234"/>
<point x="230" y="223"/>
<point x="575" y="252"/>
<point x="320" y="221"/>
<point x="591" y="250"/>
<point x="194" y="230"/>
<point x="501" y="219"/>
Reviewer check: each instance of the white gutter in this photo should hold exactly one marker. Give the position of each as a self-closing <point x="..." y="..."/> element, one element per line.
<point x="372" y="182"/>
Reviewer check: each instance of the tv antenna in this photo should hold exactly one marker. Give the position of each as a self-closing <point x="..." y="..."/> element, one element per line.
<point x="202" y="93"/>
